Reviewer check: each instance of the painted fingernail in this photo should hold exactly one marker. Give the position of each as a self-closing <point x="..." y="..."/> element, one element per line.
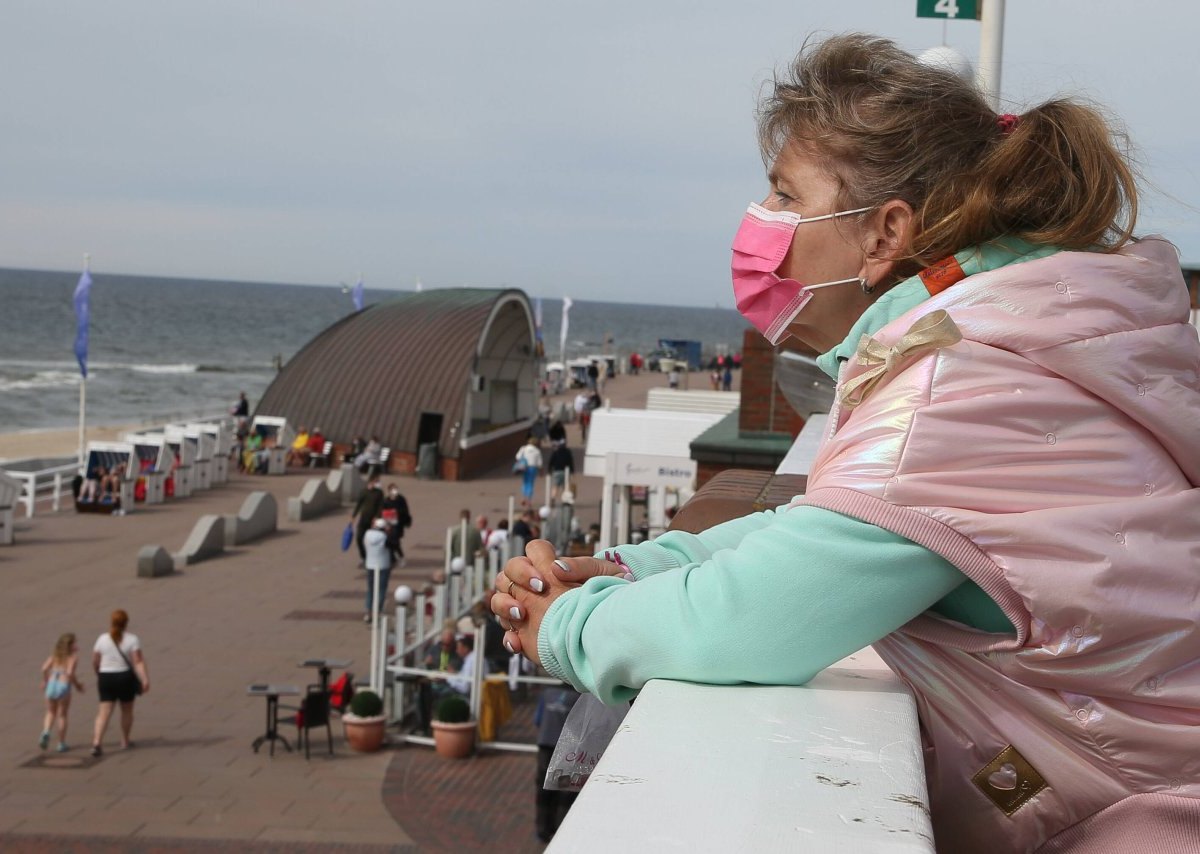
<point x="537" y="585"/>
<point x="562" y="564"/>
<point x="628" y="576"/>
<point x="514" y="612"/>
<point x="509" y="647"/>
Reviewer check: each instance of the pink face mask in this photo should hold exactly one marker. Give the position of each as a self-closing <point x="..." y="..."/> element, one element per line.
<point x="759" y="247"/>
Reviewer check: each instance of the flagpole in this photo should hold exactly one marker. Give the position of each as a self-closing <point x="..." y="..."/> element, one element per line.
<point x="87" y="258"/>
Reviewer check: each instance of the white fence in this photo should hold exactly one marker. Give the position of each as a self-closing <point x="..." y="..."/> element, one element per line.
<point x="47" y="482"/>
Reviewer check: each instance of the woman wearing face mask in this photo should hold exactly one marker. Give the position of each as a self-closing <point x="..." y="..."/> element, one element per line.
<point x="1006" y="500"/>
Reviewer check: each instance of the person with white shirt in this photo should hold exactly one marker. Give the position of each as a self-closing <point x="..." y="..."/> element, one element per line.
<point x="378" y="559"/>
<point x="465" y="649"/>
<point x="121" y="674"/>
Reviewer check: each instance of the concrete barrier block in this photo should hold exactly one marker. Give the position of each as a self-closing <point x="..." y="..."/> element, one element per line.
<point x="258" y="517"/>
<point x="206" y="540"/>
<point x="315" y="499"/>
<point x="6" y="526"/>
<point x="154" y="561"/>
<point x="350" y="483"/>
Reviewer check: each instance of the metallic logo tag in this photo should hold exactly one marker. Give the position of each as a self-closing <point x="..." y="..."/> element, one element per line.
<point x="1009" y="780"/>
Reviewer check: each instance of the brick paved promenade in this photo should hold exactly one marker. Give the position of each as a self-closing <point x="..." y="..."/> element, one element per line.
<point x="192" y="783"/>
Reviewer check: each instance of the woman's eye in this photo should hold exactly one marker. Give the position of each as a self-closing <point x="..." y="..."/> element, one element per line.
<point x="782" y="197"/>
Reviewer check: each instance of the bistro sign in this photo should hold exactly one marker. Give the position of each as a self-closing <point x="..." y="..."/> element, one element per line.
<point x="649" y="470"/>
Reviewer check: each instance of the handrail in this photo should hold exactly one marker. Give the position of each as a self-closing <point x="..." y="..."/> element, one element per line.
<point x="832" y="766"/>
<point x="42" y="485"/>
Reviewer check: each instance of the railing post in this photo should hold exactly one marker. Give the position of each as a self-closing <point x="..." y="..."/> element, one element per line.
<point x="477" y="675"/>
<point x="397" y="685"/>
<point x="439" y="605"/>
<point x="380" y="674"/>
<point x="422" y="604"/>
<point x="30" y="495"/>
<point x="57" y="489"/>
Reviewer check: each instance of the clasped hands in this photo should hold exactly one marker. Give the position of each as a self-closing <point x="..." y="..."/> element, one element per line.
<point x="528" y="586"/>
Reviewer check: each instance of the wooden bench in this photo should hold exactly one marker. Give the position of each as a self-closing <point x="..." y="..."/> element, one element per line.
<point x="322" y="458"/>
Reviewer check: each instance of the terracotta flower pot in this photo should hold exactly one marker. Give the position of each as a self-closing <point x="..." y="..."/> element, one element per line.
<point x="364" y="734"/>
<point x="454" y="741"/>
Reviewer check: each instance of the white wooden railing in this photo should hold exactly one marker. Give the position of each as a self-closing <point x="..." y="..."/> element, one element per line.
<point x="833" y="766"/>
<point x="44" y="484"/>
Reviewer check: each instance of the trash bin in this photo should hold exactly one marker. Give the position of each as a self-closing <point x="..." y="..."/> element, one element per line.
<point x="427" y="461"/>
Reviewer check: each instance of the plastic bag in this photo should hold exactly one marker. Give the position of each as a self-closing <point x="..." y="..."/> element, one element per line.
<point x="585" y="736"/>
<point x="347" y="536"/>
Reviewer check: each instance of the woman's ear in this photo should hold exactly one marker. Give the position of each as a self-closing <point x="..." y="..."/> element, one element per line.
<point x="886" y="236"/>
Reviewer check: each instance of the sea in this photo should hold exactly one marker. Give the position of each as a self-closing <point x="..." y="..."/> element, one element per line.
<point x="169" y="349"/>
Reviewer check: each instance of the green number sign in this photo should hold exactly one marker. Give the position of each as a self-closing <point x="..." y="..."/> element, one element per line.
<point x="968" y="9"/>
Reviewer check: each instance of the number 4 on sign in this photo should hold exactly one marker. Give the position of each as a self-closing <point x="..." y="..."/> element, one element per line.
<point x="948" y="9"/>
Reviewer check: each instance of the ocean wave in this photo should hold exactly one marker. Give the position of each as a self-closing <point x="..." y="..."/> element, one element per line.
<point x="150" y="369"/>
<point x="41" y="379"/>
<point x="69" y="365"/>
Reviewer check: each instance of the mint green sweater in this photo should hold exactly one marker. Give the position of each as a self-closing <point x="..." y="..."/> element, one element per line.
<point x="770" y="598"/>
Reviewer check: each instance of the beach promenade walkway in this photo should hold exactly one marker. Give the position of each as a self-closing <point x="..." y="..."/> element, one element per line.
<point x="192" y="782"/>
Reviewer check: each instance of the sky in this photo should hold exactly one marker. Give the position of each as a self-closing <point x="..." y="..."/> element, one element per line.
<point x="600" y="151"/>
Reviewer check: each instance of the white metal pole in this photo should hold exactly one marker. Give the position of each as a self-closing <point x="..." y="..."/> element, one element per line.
<point x="477" y="675"/>
<point x="374" y="611"/>
<point x="991" y="50"/>
<point x="419" y="634"/>
<point x="508" y="543"/>
<point x="382" y="660"/>
<point x="401" y="644"/>
<point x="82" y="416"/>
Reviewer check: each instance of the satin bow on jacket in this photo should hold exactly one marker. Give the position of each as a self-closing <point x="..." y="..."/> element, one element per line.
<point x="931" y="332"/>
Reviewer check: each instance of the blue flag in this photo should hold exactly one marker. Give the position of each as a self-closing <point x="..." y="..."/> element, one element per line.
<point x="82" y="312"/>
<point x="357" y="295"/>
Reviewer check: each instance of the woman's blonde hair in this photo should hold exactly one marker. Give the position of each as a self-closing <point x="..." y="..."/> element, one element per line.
<point x="891" y="127"/>
<point x="62" y="649"/>
<point x="119" y="621"/>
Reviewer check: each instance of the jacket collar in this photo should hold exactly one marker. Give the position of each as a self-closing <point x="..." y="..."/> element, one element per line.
<point x="915" y="290"/>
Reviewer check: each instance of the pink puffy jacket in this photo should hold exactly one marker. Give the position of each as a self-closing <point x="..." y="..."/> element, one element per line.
<point x="1052" y="455"/>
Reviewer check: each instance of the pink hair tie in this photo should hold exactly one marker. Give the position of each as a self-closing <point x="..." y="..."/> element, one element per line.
<point x="1007" y="123"/>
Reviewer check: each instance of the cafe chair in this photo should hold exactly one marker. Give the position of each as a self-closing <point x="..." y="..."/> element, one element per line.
<point x="314" y="712"/>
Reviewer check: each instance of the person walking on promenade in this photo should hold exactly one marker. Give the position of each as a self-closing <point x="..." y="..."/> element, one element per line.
<point x="529" y="463"/>
<point x="963" y="274"/>
<point x="121" y="676"/>
<point x="378" y="560"/>
<point x="395" y="510"/>
<point x="366" y="511"/>
<point x="58" y="677"/>
<point x="560" y="463"/>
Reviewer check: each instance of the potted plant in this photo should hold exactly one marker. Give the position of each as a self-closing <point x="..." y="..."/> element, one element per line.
<point x="453" y="729"/>
<point x="364" y="723"/>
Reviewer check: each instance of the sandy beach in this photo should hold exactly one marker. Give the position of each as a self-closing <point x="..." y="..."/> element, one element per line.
<point x="248" y="616"/>
<point x="55" y="443"/>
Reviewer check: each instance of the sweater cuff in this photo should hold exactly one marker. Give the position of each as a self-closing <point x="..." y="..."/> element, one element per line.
<point x="549" y="660"/>
<point x="644" y="559"/>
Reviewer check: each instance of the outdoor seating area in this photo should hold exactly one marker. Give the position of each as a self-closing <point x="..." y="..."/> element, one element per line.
<point x="319" y="702"/>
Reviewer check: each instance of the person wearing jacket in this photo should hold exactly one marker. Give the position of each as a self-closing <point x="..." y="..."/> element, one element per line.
<point x="1005" y="502"/>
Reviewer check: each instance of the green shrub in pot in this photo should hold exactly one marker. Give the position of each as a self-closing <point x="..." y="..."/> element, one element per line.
<point x="366" y="704"/>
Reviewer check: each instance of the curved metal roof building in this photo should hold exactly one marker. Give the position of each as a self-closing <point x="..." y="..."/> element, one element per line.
<point x="453" y="368"/>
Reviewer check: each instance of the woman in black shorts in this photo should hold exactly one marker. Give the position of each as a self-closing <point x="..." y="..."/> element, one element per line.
<point x="121" y="671"/>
